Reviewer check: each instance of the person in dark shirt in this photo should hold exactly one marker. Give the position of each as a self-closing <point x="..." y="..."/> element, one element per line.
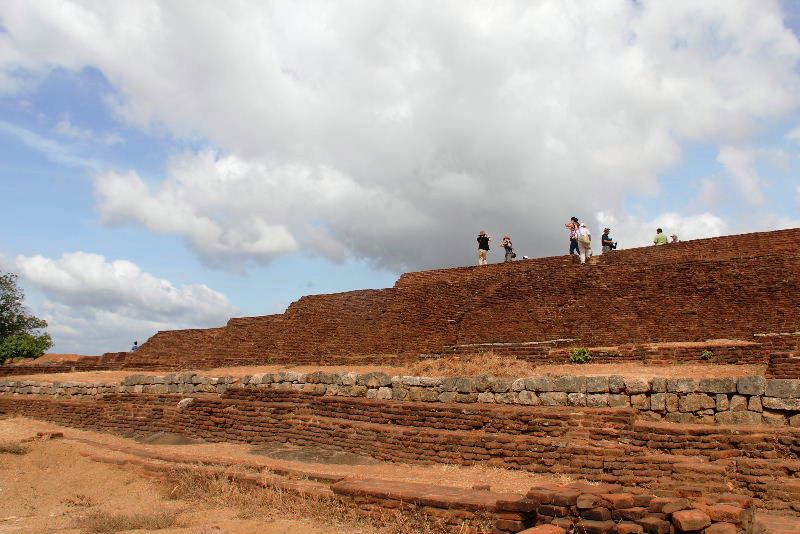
<point x="608" y="243"/>
<point x="509" y="246"/>
<point x="483" y="248"/>
<point x="573" y="226"/>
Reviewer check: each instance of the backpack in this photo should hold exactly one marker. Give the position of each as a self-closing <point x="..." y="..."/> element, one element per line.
<point x="584" y="240"/>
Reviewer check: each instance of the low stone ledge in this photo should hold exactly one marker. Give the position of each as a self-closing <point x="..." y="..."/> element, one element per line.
<point x="750" y="400"/>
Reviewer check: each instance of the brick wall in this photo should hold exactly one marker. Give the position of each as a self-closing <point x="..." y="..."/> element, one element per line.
<point x="762" y="462"/>
<point x="730" y="287"/>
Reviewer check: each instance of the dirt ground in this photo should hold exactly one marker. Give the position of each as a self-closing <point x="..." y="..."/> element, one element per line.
<point x="51" y="487"/>
<point x="628" y="369"/>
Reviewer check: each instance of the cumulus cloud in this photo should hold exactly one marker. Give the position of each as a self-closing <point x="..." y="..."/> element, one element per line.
<point x="395" y="132"/>
<point x="101" y="305"/>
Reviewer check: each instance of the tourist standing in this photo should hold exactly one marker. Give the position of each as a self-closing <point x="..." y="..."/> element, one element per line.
<point x="509" y="247"/>
<point x="584" y="243"/>
<point x="674" y="238"/>
<point x="573" y="227"/>
<point x="135" y="346"/>
<point x="483" y="248"/>
<point x="660" y="238"/>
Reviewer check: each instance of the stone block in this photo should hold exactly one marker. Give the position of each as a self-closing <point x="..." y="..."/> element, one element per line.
<point x="576" y="399"/>
<point x="771" y="418"/>
<point x="694" y="402"/>
<point x="738" y="418"/>
<point x="738" y="403"/>
<point x="507" y="398"/>
<point x="659" y="385"/>
<point x="501" y="385"/>
<point x="539" y="384"/>
<point x="570" y="384"/>
<point x="518" y="384"/>
<point x="751" y="385"/>
<point x="635" y="386"/>
<point x="717" y="385"/>
<point x="402" y="394"/>
<point x="448" y="396"/>
<point x="775" y="403"/>
<point x="629" y="528"/>
<point x="658" y="402"/>
<point x="481" y="383"/>
<point x="348" y="379"/>
<point x="681" y="385"/>
<point x="783" y="388"/>
<point x="727" y="513"/>
<point x="672" y="402"/>
<point x="640" y="402"/>
<point x="529" y="398"/>
<point x="597" y="384"/>
<point x="597" y="400"/>
<point x="553" y="398"/>
<point x="384" y="393"/>
<point x="723" y="402"/>
<point x="619" y="401"/>
<point x="676" y="505"/>
<point x="616" y="384"/>
<point x="681" y="418"/>
<point x="654" y="525"/>
<point x="465" y="385"/>
<point x="430" y="381"/>
<point x="374" y="380"/>
<point x="754" y="404"/>
<point x="690" y="520"/>
<point x="410" y="381"/>
<point x="721" y="528"/>
<point x="486" y="397"/>
<point x="794" y="421"/>
<point x="544" y="529"/>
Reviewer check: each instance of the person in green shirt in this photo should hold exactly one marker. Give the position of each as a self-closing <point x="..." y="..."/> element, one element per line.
<point x="660" y="238"/>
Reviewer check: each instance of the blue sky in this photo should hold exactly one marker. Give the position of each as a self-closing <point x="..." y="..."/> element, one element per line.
<point x="149" y="182"/>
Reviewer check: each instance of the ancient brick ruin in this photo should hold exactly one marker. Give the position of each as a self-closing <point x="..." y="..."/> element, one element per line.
<point x="647" y="454"/>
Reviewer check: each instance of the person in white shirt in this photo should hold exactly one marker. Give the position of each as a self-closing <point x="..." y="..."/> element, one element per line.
<point x="584" y="243"/>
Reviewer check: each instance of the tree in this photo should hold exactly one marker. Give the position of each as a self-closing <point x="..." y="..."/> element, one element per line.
<point x="21" y="333"/>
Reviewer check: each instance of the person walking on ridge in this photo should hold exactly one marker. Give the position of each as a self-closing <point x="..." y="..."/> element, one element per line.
<point x="483" y="248"/>
<point x="584" y="243"/>
<point x="509" y="246"/>
<point x="660" y="238"/>
<point x="607" y="241"/>
<point x="573" y="227"/>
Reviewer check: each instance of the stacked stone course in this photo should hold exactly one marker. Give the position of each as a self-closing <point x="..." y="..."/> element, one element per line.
<point x="751" y="400"/>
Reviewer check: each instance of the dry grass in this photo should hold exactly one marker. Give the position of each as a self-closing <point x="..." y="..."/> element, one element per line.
<point x="102" y="522"/>
<point x="217" y="490"/>
<point x="12" y="447"/>
<point x="485" y="363"/>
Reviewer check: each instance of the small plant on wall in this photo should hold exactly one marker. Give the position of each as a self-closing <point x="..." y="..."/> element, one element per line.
<point x="581" y="355"/>
<point x="707" y="355"/>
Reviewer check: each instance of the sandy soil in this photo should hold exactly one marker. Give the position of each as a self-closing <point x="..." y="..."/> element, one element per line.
<point x="51" y="487"/>
<point x="631" y="369"/>
<point x="449" y="475"/>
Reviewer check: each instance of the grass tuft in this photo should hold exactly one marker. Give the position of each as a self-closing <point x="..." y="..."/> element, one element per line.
<point x="485" y="363"/>
<point x="12" y="447"/>
<point x="101" y="522"/>
<point x="217" y="490"/>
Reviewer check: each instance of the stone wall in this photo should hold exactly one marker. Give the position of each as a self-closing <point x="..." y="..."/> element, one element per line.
<point x="751" y="400"/>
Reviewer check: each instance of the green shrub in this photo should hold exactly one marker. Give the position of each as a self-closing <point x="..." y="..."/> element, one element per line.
<point x="581" y="355"/>
<point x="707" y="355"/>
<point x="24" y="345"/>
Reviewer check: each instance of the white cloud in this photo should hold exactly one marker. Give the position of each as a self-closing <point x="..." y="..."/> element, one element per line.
<point x="395" y="131"/>
<point x="99" y="305"/>
<point x="65" y="128"/>
<point x="741" y="166"/>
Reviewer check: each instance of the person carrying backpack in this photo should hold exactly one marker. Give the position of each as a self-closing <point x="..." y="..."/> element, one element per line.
<point x="509" y="247"/>
<point x="483" y="248"/>
<point x="584" y="243"/>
